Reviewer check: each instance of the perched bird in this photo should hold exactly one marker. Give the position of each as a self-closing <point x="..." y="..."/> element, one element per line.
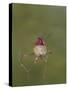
<point x="40" y="49"/>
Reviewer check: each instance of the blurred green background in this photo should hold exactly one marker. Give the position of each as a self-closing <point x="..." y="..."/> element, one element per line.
<point x="29" y="22"/>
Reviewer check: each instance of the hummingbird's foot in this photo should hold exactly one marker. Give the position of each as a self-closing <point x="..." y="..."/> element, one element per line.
<point x="36" y="59"/>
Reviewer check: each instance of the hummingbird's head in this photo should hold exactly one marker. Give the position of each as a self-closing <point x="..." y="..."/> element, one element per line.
<point x="39" y="38"/>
